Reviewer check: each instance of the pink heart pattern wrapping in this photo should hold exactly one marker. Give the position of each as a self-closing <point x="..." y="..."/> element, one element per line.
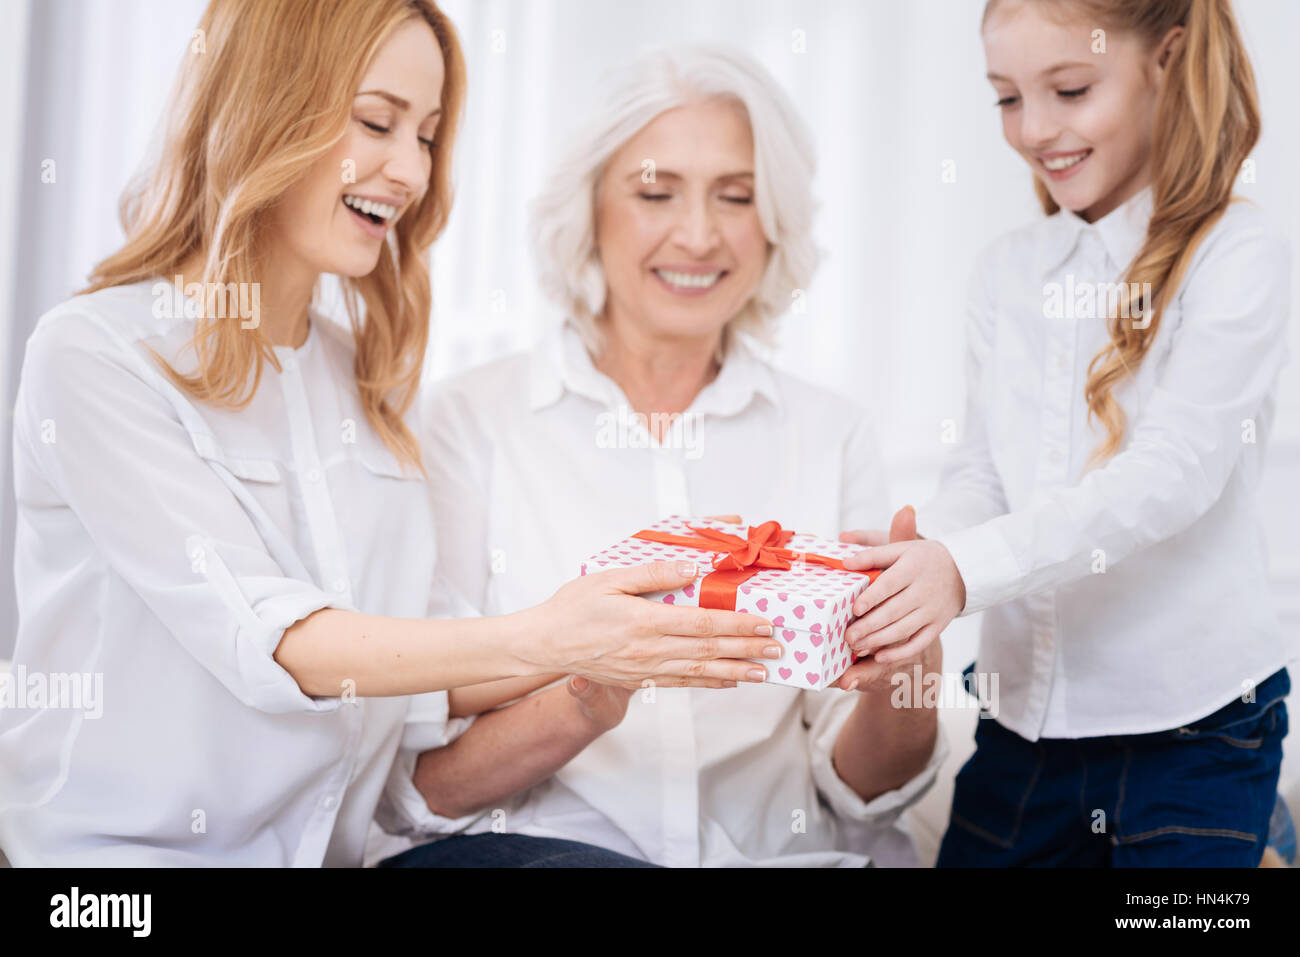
<point x="810" y="605"/>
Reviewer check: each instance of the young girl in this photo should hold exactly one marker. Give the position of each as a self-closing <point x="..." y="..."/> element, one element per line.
<point x="1100" y="509"/>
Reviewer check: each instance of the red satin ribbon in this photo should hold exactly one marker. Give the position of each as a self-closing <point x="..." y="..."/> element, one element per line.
<point x="742" y="558"/>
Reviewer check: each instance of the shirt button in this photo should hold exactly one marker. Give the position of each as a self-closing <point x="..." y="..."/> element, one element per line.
<point x="313" y="475"/>
<point x="329" y="803"/>
<point x="340" y="585"/>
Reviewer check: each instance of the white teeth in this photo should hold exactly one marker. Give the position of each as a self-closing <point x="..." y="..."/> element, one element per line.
<point x="1064" y="162"/>
<point x="382" y="210"/>
<point x="688" y="280"/>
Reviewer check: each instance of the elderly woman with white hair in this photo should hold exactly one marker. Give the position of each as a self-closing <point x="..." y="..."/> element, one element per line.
<point x="676" y="231"/>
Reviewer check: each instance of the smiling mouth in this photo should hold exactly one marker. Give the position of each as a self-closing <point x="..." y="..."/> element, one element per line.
<point x="1059" y="164"/>
<point x="690" y="282"/>
<point x="378" y="214"/>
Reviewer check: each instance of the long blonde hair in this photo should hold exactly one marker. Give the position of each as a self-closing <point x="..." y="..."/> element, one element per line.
<point x="264" y="92"/>
<point x="1206" y="124"/>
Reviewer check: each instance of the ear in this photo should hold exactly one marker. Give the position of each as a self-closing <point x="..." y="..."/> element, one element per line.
<point x="1166" y="47"/>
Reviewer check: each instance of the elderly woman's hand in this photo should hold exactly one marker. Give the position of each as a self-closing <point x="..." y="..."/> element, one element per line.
<point x="600" y="704"/>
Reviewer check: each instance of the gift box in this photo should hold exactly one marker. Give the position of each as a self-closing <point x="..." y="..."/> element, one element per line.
<point x="796" y="581"/>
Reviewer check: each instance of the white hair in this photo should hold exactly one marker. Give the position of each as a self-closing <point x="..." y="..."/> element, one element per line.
<point x="563" y="216"/>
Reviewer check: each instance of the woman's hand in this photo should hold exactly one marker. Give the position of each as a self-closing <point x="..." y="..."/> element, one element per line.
<point x="602" y="705"/>
<point x="596" y="628"/>
<point x="909" y="605"/>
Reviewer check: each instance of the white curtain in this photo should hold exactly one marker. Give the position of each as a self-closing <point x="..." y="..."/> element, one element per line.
<point x="894" y="92"/>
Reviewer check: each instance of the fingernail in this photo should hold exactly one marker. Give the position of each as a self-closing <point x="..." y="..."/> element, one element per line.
<point x="757" y="674"/>
<point x="728" y="684"/>
<point x="772" y="651"/>
<point x="686" y="568"/>
<point x="853" y="684"/>
<point x="764" y="630"/>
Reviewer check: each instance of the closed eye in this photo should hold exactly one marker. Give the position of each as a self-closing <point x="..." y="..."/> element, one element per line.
<point x="374" y="126"/>
<point x="1072" y="94"/>
<point x="1007" y="101"/>
<point x="654" y="197"/>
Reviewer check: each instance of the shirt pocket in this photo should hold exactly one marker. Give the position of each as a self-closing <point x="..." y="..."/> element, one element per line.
<point x="247" y="468"/>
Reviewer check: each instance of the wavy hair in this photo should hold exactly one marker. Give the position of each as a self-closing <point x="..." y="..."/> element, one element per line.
<point x="1206" y="124"/>
<point x="264" y="92"/>
<point x="563" y="215"/>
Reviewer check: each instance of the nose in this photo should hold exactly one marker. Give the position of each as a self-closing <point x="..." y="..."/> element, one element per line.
<point x="407" y="165"/>
<point x="696" y="233"/>
<point x="1038" y="126"/>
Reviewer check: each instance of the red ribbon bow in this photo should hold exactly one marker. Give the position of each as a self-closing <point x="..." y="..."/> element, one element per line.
<point x="741" y="558"/>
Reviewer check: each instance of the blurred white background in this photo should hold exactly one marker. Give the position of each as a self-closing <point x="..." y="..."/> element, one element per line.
<point x="893" y="90"/>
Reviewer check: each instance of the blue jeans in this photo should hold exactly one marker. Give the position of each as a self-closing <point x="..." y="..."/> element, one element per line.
<point x="1196" y="796"/>
<point x="509" y="850"/>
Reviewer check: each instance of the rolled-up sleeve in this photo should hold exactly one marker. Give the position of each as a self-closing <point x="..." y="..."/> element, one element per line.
<point x="104" y="433"/>
<point x="826" y="712"/>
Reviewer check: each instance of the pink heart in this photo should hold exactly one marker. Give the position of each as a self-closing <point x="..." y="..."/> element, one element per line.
<point x="785" y="673"/>
<point x="782" y="595"/>
<point x="798" y="611"/>
<point x="800" y="657"/>
<point x="668" y="599"/>
<point x="745" y="589"/>
<point x="820" y="603"/>
<point x="816" y="640"/>
<point x="778" y="621"/>
<point x="812" y="677"/>
<point x="817" y="627"/>
<point x="787" y="634"/>
<point x="689" y="591"/>
<point x="761" y="604"/>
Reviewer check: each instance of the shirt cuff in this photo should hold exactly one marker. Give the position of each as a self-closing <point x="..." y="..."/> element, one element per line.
<point x="402" y="808"/>
<point x="846" y="803"/>
<point x="986" y="563"/>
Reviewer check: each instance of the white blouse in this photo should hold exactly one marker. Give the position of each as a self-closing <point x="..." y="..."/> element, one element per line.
<point x="536" y="466"/>
<point x="163" y="546"/>
<point x="1133" y="597"/>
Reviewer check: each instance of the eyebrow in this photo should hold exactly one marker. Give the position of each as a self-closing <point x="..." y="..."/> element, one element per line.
<point x="1048" y="72"/>
<point x="669" y="174"/>
<point x="396" y="100"/>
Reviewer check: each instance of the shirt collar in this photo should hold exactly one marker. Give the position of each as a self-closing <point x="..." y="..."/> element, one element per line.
<point x="1121" y="231"/>
<point x="561" y="363"/>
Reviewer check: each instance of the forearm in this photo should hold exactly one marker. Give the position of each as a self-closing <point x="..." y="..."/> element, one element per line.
<point x="475" y="699"/>
<point x="502" y="753"/>
<point x="881" y="747"/>
<point x="334" y="651"/>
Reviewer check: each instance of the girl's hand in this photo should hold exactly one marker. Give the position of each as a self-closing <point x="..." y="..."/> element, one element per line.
<point x="602" y="705"/>
<point x="595" y="627"/>
<point x="910" y="604"/>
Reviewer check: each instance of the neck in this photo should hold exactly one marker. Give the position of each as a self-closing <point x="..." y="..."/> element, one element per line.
<point x="282" y="305"/>
<point x="657" y="374"/>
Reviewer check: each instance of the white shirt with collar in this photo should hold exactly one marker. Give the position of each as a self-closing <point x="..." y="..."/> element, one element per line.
<point x="163" y="547"/>
<point x="532" y="473"/>
<point x="1133" y="597"/>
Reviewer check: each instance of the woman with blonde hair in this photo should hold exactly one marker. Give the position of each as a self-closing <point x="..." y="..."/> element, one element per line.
<point x="222" y="510"/>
